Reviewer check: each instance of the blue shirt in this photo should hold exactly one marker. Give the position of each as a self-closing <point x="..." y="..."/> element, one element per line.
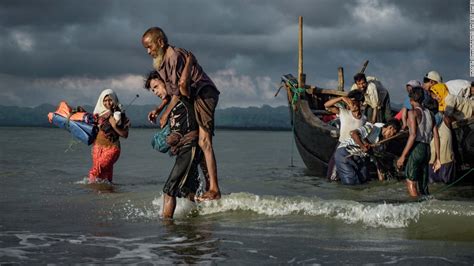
<point x="407" y="103"/>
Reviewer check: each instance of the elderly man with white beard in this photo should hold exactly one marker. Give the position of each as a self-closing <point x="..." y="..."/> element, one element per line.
<point x="170" y="61"/>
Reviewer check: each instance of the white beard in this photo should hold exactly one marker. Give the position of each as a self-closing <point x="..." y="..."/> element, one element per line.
<point x="159" y="58"/>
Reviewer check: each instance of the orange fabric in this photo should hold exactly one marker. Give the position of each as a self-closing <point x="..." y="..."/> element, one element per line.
<point x="103" y="160"/>
<point x="65" y="111"/>
<point x="79" y="116"/>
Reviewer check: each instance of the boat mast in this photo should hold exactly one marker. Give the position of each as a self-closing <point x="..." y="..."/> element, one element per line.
<point x="301" y="75"/>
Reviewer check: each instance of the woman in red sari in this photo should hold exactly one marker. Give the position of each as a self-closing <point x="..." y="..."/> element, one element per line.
<point x="112" y="124"/>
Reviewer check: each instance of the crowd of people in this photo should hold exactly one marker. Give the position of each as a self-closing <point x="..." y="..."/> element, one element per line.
<point x="365" y="121"/>
<point x="189" y="98"/>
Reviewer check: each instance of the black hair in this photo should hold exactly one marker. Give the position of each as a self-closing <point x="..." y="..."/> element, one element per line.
<point x="417" y="94"/>
<point x="431" y="104"/>
<point x="152" y="75"/>
<point x="394" y="123"/>
<point x="359" y="76"/>
<point x="357" y="95"/>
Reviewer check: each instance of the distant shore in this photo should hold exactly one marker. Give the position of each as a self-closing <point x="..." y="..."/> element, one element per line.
<point x="155" y="127"/>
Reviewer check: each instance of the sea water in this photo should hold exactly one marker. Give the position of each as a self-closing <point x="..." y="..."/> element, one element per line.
<point x="270" y="212"/>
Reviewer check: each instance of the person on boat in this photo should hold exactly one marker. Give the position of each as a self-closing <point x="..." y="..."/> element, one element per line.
<point x="447" y="171"/>
<point x="422" y="129"/>
<point x="377" y="98"/>
<point x="169" y="61"/>
<point x="183" y="181"/>
<point x="352" y="154"/>
<point x="350" y="117"/>
<point x="112" y="124"/>
<point x="452" y="105"/>
<point x="460" y="87"/>
<point x="406" y="104"/>
<point x="429" y="80"/>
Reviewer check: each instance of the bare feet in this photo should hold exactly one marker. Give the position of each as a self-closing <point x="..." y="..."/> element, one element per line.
<point x="209" y="195"/>
<point x="412" y="188"/>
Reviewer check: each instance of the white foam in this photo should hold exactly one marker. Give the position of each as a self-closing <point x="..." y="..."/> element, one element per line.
<point x="184" y="207"/>
<point x="374" y="215"/>
<point x="83" y="181"/>
<point x="128" y="250"/>
<point x="350" y="212"/>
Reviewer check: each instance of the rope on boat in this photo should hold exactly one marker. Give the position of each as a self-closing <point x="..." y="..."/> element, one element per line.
<point x="428" y="197"/>
<point x="452" y="184"/>
<point x="294" y="100"/>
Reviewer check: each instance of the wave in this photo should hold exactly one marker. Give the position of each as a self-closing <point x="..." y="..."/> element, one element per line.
<point x="372" y="214"/>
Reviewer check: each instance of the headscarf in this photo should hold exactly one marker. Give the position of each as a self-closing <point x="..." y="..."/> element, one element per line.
<point x="441" y="91"/>
<point x="99" y="107"/>
<point x="413" y="83"/>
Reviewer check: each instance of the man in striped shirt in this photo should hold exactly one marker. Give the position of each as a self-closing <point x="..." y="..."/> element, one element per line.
<point x="352" y="153"/>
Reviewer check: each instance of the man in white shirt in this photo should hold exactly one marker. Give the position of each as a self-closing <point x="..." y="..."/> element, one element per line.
<point x="350" y="116"/>
<point x="377" y="98"/>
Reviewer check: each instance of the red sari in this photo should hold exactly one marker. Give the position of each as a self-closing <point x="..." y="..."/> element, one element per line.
<point x="105" y="152"/>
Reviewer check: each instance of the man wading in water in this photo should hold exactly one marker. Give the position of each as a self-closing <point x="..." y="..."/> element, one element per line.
<point x="169" y="62"/>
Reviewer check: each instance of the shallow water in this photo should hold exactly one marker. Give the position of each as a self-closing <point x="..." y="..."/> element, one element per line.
<point x="270" y="212"/>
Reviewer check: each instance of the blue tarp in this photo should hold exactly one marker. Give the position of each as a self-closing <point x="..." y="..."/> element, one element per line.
<point x="82" y="131"/>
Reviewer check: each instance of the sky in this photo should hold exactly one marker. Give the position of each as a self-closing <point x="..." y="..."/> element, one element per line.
<point x="71" y="50"/>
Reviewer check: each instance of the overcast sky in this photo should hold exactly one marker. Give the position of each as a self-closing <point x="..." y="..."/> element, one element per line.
<point x="71" y="50"/>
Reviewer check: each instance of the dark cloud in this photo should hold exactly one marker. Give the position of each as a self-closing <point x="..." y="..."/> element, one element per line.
<point x="251" y="42"/>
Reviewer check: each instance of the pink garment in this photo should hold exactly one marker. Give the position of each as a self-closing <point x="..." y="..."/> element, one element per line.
<point x="103" y="160"/>
<point x="398" y="116"/>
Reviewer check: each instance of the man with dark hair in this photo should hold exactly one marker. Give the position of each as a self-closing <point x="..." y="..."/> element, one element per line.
<point x="350" y="116"/>
<point x="377" y="99"/>
<point x="183" y="181"/>
<point x="352" y="154"/>
<point x="422" y="128"/>
<point x="170" y="61"/>
<point x="152" y="83"/>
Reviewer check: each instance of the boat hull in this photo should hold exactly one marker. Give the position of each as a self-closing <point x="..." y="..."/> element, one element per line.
<point x="316" y="140"/>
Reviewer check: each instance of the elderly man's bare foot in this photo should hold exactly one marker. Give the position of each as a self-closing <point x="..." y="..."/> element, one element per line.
<point x="209" y="195"/>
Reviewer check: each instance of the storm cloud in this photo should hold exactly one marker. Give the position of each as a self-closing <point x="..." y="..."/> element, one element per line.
<point x="71" y="50"/>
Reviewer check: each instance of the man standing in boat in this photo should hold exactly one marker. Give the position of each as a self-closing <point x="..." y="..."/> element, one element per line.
<point x="377" y="98"/>
<point x="169" y="61"/>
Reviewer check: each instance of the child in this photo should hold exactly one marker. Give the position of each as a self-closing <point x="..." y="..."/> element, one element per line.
<point x="422" y="129"/>
<point x="112" y="124"/>
<point x="183" y="180"/>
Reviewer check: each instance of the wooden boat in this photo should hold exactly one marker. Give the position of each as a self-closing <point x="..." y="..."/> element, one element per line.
<point x="316" y="140"/>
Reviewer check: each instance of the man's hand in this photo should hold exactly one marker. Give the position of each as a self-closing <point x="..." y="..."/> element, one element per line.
<point x="152" y="116"/>
<point x="400" y="162"/>
<point x="436" y="165"/>
<point x="347" y="101"/>
<point x="365" y="147"/>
